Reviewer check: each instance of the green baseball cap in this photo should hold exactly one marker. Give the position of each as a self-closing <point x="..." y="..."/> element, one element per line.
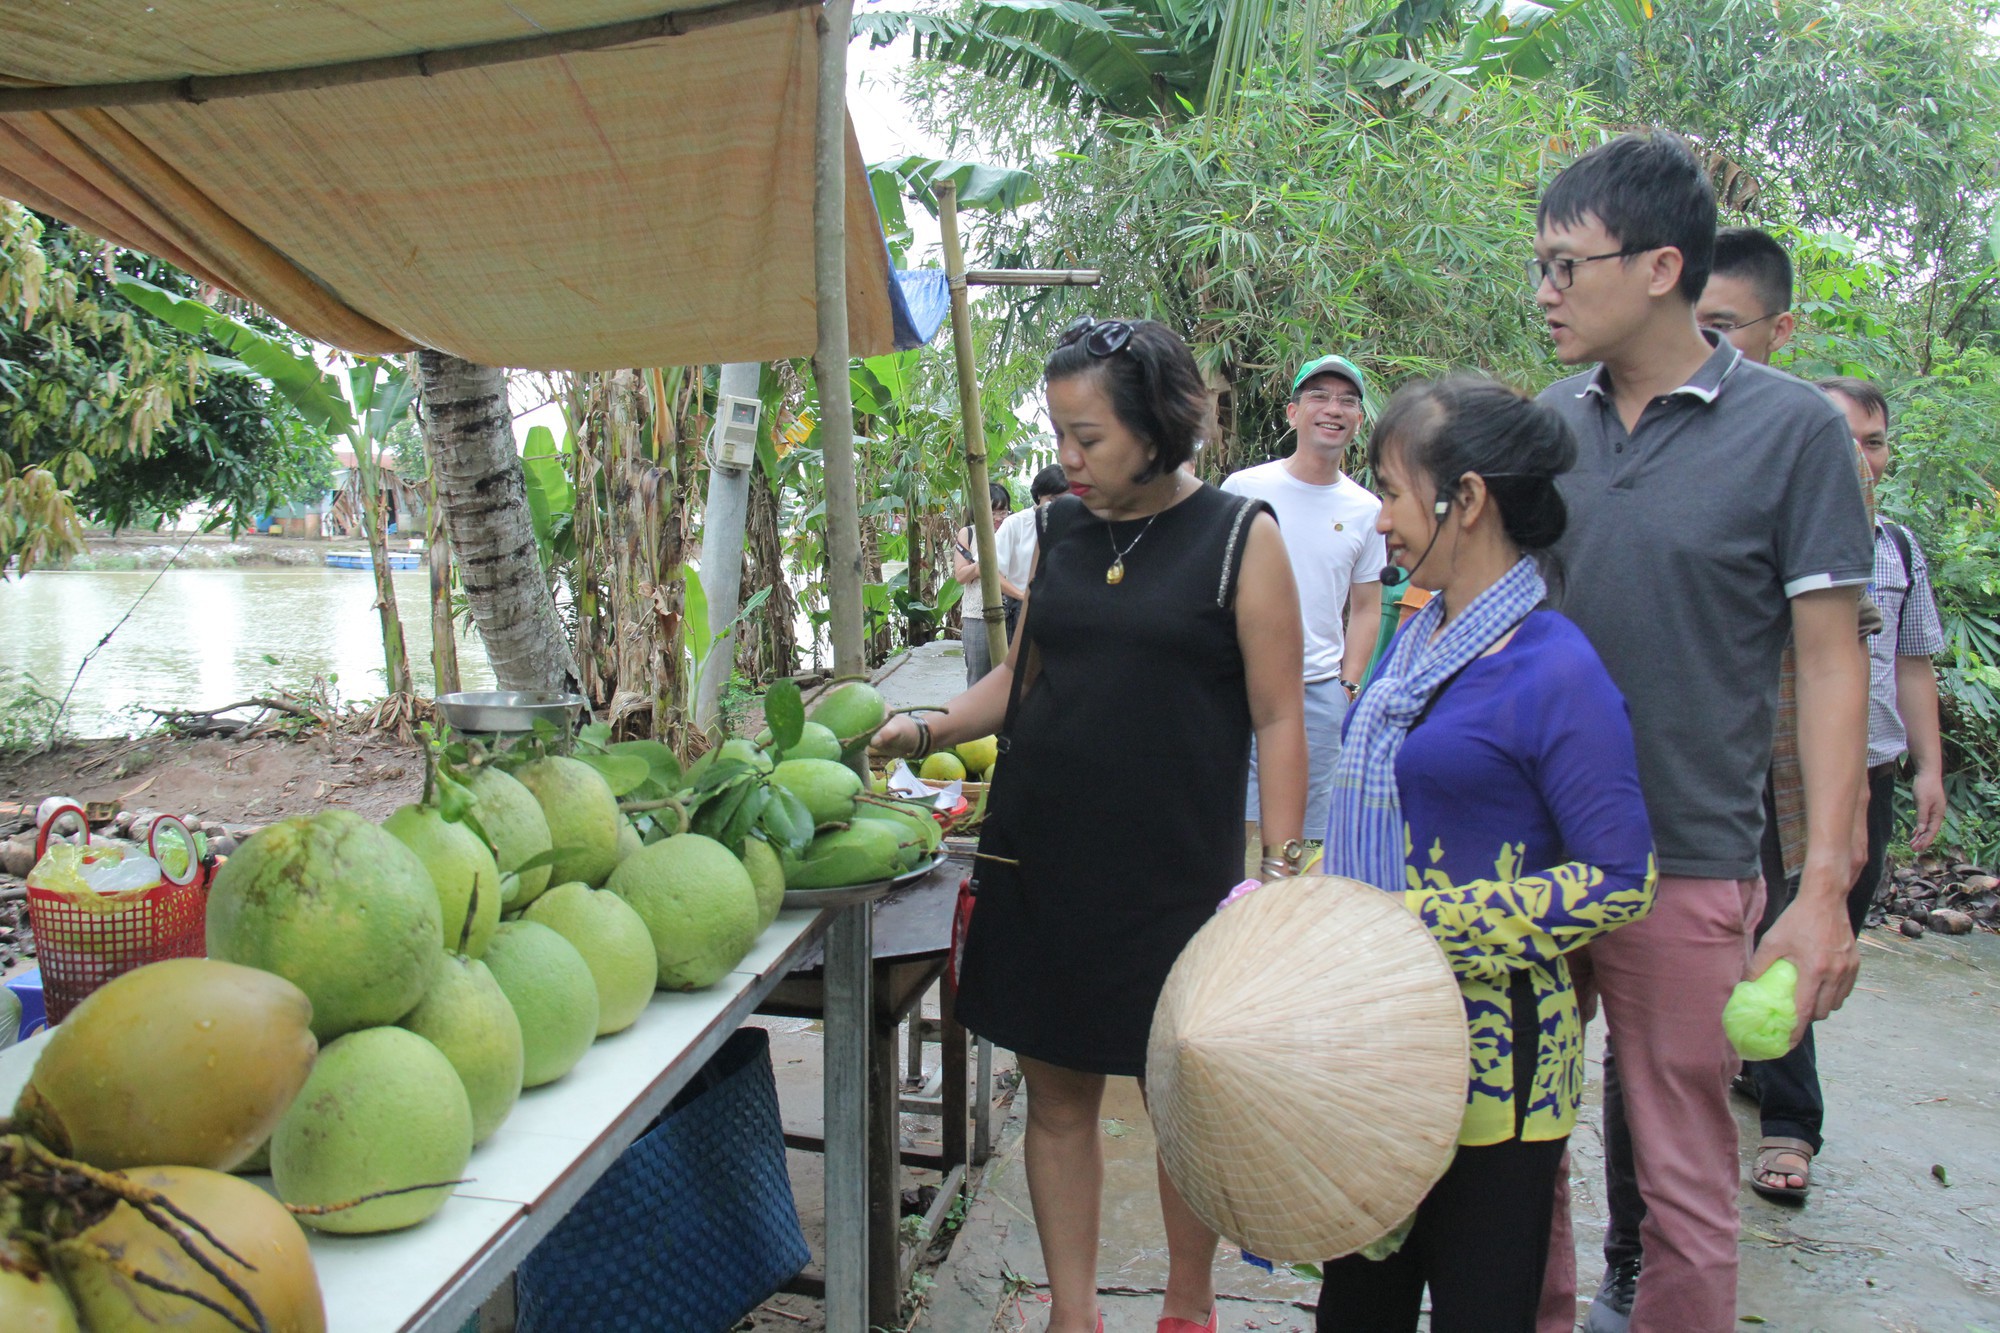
<point x="1338" y="365"/>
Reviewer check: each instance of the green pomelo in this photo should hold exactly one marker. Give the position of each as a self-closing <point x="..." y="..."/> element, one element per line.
<point x="944" y="766"/>
<point x="699" y="904"/>
<point x="629" y="840"/>
<point x="865" y="851"/>
<point x="275" y="1272"/>
<point x="614" y="941"/>
<point x="826" y="788"/>
<point x="466" y="1015"/>
<point x="767" y="879"/>
<point x="853" y="712"/>
<point x="190" y="1061"/>
<point x="383" y="1110"/>
<point x="815" y="742"/>
<point x="553" y="994"/>
<point x="514" y="820"/>
<point x="462" y="871"/>
<point x="338" y="908"/>
<point x="583" y="816"/>
<point x="743" y="752"/>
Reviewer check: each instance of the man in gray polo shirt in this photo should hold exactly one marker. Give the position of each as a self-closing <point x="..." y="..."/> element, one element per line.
<point x="1712" y="508"/>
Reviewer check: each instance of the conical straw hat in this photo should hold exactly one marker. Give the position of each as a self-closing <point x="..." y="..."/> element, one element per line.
<point x="1307" y="1069"/>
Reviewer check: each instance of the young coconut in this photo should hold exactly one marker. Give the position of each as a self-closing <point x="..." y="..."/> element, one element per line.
<point x="116" y="1267"/>
<point x="31" y="1300"/>
<point x="189" y="1061"/>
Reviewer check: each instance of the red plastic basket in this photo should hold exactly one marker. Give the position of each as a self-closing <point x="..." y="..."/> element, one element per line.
<point x="80" y="948"/>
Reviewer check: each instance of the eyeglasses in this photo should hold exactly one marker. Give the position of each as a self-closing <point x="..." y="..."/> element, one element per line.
<point x="1099" y="339"/>
<point x="1717" y="326"/>
<point x="1322" y="397"/>
<point x="1560" y="273"/>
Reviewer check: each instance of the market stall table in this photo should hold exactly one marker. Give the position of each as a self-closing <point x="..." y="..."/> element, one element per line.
<point x="560" y="1138"/>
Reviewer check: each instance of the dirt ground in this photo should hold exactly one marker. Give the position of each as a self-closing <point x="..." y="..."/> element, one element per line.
<point x="245" y="784"/>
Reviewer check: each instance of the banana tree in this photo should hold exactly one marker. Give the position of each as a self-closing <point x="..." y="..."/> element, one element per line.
<point x="378" y="393"/>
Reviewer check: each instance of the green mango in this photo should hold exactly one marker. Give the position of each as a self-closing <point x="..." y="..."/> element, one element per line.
<point x="865" y="851"/>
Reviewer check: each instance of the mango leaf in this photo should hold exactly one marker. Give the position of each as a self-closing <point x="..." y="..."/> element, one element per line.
<point x="663" y="766"/>
<point x="622" y="771"/>
<point x="291" y="372"/>
<point x="785" y="714"/>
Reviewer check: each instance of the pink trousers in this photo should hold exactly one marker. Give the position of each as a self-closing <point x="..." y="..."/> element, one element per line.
<point x="1662" y="982"/>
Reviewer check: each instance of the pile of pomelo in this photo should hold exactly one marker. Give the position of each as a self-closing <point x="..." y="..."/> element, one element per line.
<point x="376" y="998"/>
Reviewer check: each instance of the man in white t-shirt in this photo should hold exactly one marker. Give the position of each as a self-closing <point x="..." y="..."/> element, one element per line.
<point x="1328" y="523"/>
<point x="1014" y="544"/>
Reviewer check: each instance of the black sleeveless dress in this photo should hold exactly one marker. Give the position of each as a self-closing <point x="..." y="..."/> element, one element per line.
<point x="1120" y="793"/>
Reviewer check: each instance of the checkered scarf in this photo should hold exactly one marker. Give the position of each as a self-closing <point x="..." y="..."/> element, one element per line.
<point x="1364" y="836"/>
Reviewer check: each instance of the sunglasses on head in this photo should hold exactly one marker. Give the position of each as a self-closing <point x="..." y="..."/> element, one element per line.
<point x="1100" y="338"/>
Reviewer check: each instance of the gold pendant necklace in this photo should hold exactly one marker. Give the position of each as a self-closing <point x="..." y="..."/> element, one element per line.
<point x="1116" y="574"/>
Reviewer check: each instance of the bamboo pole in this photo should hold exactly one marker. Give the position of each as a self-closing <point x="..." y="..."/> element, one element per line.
<point x="196" y="89"/>
<point x="1033" y="277"/>
<point x="836" y="400"/>
<point x="978" y="497"/>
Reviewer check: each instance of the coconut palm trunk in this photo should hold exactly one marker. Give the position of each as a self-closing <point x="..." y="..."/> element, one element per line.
<point x="469" y="435"/>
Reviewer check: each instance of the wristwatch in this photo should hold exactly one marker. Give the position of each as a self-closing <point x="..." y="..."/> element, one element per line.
<point x="1353" y="689"/>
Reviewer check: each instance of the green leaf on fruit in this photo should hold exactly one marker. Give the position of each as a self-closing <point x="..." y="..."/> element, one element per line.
<point x="622" y="771"/>
<point x="785" y="713"/>
<point x="548" y="858"/>
<point x="662" y="764"/>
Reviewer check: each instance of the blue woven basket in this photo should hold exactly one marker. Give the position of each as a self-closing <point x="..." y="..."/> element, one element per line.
<point x="691" y="1229"/>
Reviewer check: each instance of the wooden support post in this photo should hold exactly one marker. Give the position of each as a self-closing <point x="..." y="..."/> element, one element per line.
<point x="885" y="1172"/>
<point x="951" y="1060"/>
<point x="836" y="396"/>
<point x="978" y="500"/>
<point x="849" y="1019"/>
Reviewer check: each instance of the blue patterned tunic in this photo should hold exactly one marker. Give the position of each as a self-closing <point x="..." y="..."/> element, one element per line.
<point x="1526" y="837"/>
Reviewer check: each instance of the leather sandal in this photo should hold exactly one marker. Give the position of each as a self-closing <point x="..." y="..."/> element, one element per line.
<point x="1772" y="1154"/>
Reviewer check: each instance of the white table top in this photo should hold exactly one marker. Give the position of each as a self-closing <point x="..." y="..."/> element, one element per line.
<point x="559" y="1139"/>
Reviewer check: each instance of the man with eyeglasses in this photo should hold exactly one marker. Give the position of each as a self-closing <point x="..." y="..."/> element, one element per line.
<point x="1328" y="522"/>
<point x="1711" y="509"/>
<point x="1748" y="300"/>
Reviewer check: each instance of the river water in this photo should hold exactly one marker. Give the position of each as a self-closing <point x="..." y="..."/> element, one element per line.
<point x="201" y="638"/>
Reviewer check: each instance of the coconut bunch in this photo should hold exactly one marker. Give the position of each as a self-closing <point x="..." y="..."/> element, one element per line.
<point x="116" y="1209"/>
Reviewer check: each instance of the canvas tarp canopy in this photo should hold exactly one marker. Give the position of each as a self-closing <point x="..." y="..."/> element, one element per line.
<point x="510" y="192"/>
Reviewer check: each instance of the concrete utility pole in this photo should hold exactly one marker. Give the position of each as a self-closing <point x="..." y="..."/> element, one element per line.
<point x="722" y="521"/>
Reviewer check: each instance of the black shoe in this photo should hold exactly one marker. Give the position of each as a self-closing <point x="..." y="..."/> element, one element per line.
<point x="1611" y="1311"/>
<point x="1745" y="1086"/>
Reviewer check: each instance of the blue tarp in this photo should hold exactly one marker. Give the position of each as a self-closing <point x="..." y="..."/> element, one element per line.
<point x="919" y="301"/>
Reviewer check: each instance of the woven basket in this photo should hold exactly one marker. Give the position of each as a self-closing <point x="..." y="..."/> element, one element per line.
<point x="1307" y="1068"/>
<point x="691" y="1229"/>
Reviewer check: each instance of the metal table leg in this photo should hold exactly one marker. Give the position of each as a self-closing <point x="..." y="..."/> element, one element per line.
<point x="849" y="1032"/>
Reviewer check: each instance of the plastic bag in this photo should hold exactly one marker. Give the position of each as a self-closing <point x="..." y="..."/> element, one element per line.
<point x="89" y="875"/>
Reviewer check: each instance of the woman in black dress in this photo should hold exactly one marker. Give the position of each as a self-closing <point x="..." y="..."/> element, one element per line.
<point x="1162" y="631"/>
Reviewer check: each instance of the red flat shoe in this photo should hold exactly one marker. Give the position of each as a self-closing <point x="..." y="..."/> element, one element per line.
<point x="1188" y="1325"/>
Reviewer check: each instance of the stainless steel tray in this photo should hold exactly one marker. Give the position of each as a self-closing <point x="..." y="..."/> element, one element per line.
<point x="508" y="710"/>
<point x="844" y="894"/>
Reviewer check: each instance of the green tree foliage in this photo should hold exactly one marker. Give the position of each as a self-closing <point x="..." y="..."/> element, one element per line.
<point x="1378" y="199"/>
<point x="108" y="413"/>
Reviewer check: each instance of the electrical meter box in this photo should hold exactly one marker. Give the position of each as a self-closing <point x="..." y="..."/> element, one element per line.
<point x="733" y="443"/>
